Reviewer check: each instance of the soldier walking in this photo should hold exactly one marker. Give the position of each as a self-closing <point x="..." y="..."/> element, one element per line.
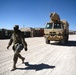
<point x="19" y="43"/>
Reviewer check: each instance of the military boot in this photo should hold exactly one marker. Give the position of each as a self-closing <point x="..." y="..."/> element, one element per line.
<point x="14" y="67"/>
<point x="23" y="60"/>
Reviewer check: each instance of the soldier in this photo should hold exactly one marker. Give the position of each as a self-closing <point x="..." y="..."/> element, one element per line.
<point x="18" y="44"/>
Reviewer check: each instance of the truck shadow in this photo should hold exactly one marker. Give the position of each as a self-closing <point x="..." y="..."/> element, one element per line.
<point x="36" y="67"/>
<point x="69" y="43"/>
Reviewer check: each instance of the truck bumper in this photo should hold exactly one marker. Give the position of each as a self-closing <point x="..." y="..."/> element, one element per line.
<point x="54" y="38"/>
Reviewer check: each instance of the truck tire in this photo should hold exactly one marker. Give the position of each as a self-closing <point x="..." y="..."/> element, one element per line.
<point x="63" y="41"/>
<point x="47" y="41"/>
<point x="67" y="37"/>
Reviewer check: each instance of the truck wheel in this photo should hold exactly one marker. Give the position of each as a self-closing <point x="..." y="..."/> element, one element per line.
<point x="47" y="41"/>
<point x="67" y="38"/>
<point x="63" y="41"/>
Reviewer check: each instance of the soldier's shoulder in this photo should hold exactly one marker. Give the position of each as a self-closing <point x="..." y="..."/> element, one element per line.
<point x="20" y="31"/>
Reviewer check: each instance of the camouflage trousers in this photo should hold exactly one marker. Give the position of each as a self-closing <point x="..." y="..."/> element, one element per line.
<point x="17" y="49"/>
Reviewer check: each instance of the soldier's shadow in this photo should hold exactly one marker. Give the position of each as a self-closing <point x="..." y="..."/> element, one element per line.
<point x="36" y="67"/>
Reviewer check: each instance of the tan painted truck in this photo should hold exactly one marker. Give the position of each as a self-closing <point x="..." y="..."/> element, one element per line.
<point x="56" y="29"/>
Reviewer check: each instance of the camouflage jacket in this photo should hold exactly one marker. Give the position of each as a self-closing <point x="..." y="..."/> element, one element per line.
<point x="17" y="38"/>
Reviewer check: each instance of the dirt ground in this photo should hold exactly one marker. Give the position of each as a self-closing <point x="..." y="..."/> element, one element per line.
<point x="41" y="58"/>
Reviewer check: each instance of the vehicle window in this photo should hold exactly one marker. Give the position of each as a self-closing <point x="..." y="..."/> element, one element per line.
<point x="49" y="26"/>
<point x="63" y="26"/>
<point x="57" y="26"/>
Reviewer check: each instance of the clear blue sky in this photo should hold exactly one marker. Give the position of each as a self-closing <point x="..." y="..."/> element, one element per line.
<point x="35" y="13"/>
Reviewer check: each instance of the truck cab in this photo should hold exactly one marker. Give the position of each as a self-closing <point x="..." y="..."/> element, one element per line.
<point x="56" y="31"/>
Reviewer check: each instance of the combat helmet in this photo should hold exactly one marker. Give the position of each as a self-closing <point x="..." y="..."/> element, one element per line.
<point x="16" y="27"/>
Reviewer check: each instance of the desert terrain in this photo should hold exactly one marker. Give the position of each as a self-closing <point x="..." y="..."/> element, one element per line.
<point x="41" y="58"/>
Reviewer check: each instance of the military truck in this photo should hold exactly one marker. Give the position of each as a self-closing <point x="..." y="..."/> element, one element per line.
<point x="56" y="29"/>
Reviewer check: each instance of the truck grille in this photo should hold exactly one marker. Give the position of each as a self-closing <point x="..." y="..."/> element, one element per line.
<point x="52" y="33"/>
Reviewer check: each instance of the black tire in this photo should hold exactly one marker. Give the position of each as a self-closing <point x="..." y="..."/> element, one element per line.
<point x="47" y="41"/>
<point x="63" y="40"/>
<point x="67" y="37"/>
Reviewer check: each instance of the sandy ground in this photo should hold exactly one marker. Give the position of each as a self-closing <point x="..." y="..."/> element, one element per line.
<point x="41" y="58"/>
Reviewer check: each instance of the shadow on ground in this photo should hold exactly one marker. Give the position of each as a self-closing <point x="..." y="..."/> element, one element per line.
<point x="69" y="43"/>
<point x="36" y="67"/>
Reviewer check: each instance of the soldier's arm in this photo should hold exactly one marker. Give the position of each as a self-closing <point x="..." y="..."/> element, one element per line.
<point x="24" y="42"/>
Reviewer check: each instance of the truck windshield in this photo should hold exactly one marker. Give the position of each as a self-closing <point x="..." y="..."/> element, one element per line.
<point x="49" y="26"/>
<point x="57" y="26"/>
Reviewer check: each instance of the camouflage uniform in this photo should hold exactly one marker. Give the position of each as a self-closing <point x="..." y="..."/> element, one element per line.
<point x="18" y="44"/>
